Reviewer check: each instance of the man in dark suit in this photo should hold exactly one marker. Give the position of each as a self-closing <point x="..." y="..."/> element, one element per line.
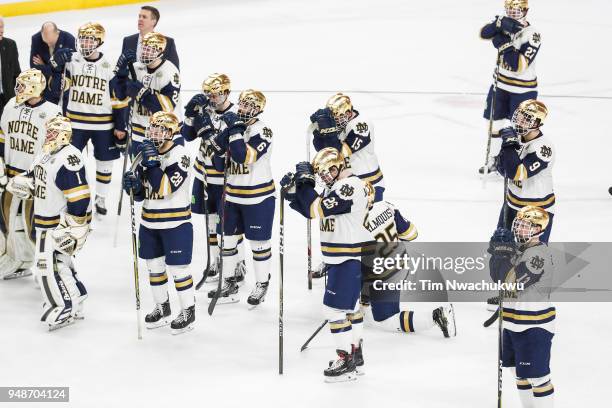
<point x="148" y="17"/>
<point x="44" y="44"/>
<point x="9" y="67"/>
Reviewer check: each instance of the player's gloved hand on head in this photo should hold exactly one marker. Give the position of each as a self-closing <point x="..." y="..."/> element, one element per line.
<point x="150" y="155"/>
<point x="502" y="243"/>
<point x="203" y="125"/>
<point x="327" y="125"/>
<point x="509" y="138"/>
<point x="510" y="25"/>
<point x="230" y="118"/>
<point x="314" y="118"/>
<point x="500" y="39"/>
<point x="234" y="123"/>
<point x="196" y="104"/>
<point x="122" y="68"/>
<point x="220" y="142"/>
<point x="304" y="174"/>
<point x="131" y="182"/>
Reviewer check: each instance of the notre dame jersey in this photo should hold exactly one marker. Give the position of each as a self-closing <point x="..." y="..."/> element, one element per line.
<point x="22" y="133"/>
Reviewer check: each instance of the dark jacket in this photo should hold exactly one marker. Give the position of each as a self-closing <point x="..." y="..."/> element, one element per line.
<point x="10" y="69"/>
<point x="131" y="43"/>
<point x="40" y="48"/>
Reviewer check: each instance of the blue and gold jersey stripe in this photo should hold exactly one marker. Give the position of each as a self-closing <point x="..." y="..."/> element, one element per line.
<point x="334" y="249"/>
<point x="544" y="202"/>
<point x="258" y="190"/>
<point x="529" y="317"/>
<point x="518" y="82"/>
<point x="166" y="214"/>
<point x="373" y="177"/>
<point x="13" y="171"/>
<point x="89" y="118"/>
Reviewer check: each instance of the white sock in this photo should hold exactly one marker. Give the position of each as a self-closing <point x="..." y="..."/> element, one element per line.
<point x="183" y="284"/>
<point x="341" y="331"/>
<point x="158" y="279"/>
<point x="356" y="319"/>
<point x="262" y="259"/>
<point x="104" y="171"/>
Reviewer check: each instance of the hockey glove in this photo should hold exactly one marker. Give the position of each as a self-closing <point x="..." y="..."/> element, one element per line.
<point x="304" y="174"/>
<point x="327" y="125"/>
<point x="70" y="235"/>
<point x="196" y="105"/>
<point x="234" y="124"/>
<point x="125" y="59"/>
<point x="500" y="39"/>
<point x="220" y="142"/>
<point x="150" y="155"/>
<point x="509" y="25"/>
<point x="203" y="125"/>
<point x="131" y="182"/>
<point x="136" y="90"/>
<point x="287" y="184"/>
<point x="502" y="243"/>
<point x="120" y="144"/>
<point x="60" y="58"/>
<point x="314" y="118"/>
<point x="21" y="186"/>
<point x="509" y="138"/>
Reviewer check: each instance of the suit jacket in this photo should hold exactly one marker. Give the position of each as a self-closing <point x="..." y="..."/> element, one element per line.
<point x="10" y="69"/>
<point x="131" y="43"/>
<point x="40" y="48"/>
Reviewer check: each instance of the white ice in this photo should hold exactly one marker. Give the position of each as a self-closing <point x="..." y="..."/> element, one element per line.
<point x="419" y="71"/>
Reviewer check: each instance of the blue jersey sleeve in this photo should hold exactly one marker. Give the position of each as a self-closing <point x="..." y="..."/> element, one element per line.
<point x="167" y="181"/>
<point x="406" y="230"/>
<point x="249" y="152"/>
<point x="72" y="181"/>
<point x="164" y="99"/>
<point x="120" y="104"/>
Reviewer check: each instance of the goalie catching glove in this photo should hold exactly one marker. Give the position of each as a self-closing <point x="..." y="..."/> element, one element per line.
<point x="21" y="186"/>
<point x="70" y="235"/>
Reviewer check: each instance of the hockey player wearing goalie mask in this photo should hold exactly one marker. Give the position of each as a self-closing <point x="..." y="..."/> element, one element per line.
<point x="90" y="101"/>
<point x="517" y="43"/>
<point x="526" y="158"/>
<point x="22" y="134"/>
<point x="249" y="193"/>
<point x="391" y="232"/>
<point x="202" y="121"/>
<point x="155" y="88"/>
<point x="161" y="182"/>
<point x="519" y="256"/>
<point x="62" y="212"/>
<point x="342" y="208"/>
<point x="340" y="126"/>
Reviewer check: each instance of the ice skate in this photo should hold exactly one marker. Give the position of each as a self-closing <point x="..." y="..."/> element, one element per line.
<point x="341" y="370"/>
<point x="358" y="358"/>
<point x="100" y="206"/>
<point x="19" y="273"/>
<point x="229" y="292"/>
<point x="160" y="316"/>
<point x="66" y="322"/>
<point x="444" y="318"/>
<point x="240" y="272"/>
<point x="184" y="322"/>
<point x="213" y="272"/>
<point x="259" y="294"/>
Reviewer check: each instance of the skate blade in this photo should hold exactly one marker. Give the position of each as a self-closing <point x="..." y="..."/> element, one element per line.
<point x="157" y="325"/>
<point x="452" y="324"/>
<point x="360" y="371"/>
<point x="65" y="323"/>
<point x="342" y="378"/>
<point x="226" y="300"/>
<point x="17" y="275"/>
<point x="251" y="307"/>
<point x="183" y="330"/>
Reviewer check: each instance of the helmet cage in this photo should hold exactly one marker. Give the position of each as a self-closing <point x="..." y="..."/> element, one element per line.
<point x="87" y="45"/>
<point x="524" y="230"/>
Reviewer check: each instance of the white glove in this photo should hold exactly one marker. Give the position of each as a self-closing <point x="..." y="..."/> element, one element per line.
<point x="70" y="235"/>
<point x="21" y="186"/>
<point x="3" y="176"/>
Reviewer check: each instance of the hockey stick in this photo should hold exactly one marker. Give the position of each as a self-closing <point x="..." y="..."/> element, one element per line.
<point x="500" y="311"/>
<point x="490" y="136"/>
<point x="135" y="164"/>
<point x="305" y="345"/>
<point x="205" y="274"/>
<point x="281" y="250"/>
<point x="213" y="302"/>
<point x="492" y="318"/>
<point x="128" y="147"/>
<point x="308" y="220"/>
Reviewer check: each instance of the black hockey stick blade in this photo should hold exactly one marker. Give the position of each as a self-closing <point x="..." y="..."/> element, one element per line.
<point x="201" y="282"/>
<point x="305" y="345"/>
<point x="491" y="319"/>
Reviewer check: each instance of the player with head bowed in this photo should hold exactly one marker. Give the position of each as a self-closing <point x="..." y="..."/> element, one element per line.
<point x="526" y="158"/>
<point x="342" y="208"/>
<point x="57" y="182"/>
<point x="92" y="103"/>
<point x="161" y="182"/>
<point x="245" y="145"/>
<point x="520" y="256"/>
<point x="155" y="88"/>
<point x="203" y="120"/>
<point x="22" y="134"/>
<point x="517" y="43"/>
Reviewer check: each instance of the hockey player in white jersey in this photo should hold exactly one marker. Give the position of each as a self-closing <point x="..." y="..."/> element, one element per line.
<point x="391" y="231"/>
<point x="249" y="194"/>
<point x="517" y="43"/>
<point x="342" y="208"/>
<point x="519" y="256"/>
<point x="165" y="237"/>
<point x="62" y="213"/>
<point x="155" y="88"/>
<point x="202" y="121"/>
<point x="526" y="158"/>
<point x="90" y="101"/>
<point x="22" y="134"/>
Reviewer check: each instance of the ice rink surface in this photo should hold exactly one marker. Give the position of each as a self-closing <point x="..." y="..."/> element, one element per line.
<point x="419" y="71"/>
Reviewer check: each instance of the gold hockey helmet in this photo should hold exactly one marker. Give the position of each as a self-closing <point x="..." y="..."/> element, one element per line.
<point x="162" y="127"/>
<point x="59" y="134"/>
<point x="152" y="47"/>
<point x="516" y="9"/>
<point x="528" y="219"/>
<point x="217" y="88"/>
<point x="250" y="104"/>
<point x="529" y="115"/>
<point x="341" y="108"/>
<point x="326" y="161"/>
<point x="90" y="37"/>
<point x="30" y="83"/>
